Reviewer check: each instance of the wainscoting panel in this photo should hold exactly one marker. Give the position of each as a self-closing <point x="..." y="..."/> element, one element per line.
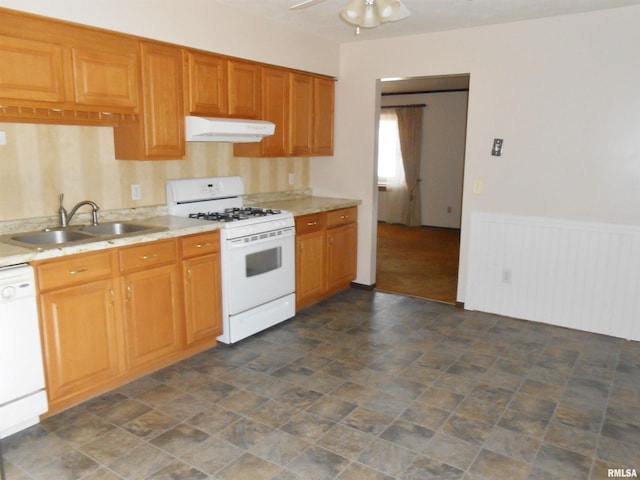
<point x="579" y="275"/>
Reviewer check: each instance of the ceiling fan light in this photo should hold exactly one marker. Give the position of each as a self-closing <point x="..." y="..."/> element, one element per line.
<point x="386" y="9"/>
<point x="354" y="11"/>
<point x="370" y="18"/>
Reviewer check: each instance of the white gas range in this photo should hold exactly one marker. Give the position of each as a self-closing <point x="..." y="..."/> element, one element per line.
<point x="257" y="249"/>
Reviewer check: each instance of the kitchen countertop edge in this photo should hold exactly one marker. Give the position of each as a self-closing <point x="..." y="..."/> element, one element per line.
<point x="308" y="205"/>
<point x="174" y="227"/>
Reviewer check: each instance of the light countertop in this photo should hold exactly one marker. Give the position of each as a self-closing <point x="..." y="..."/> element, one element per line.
<point x="307" y="205"/>
<point x="174" y="226"/>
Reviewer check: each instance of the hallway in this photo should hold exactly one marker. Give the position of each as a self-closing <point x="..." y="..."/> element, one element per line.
<point x="418" y="261"/>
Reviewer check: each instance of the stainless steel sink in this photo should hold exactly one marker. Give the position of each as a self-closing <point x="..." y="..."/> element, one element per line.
<point x="50" y="237"/>
<point x="61" y="237"/>
<point x="115" y="228"/>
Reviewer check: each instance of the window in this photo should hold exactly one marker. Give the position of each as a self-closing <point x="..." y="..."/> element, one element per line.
<point x="390" y="169"/>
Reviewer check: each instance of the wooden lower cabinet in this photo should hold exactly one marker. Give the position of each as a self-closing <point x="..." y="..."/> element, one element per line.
<point x="326" y="254"/>
<point x="80" y="334"/>
<point x="341" y="256"/>
<point x="151" y="314"/>
<point x="310" y="259"/>
<point x="108" y="317"/>
<point x="201" y="281"/>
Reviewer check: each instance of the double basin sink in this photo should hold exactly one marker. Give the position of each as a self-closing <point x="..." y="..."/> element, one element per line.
<point x="62" y="237"/>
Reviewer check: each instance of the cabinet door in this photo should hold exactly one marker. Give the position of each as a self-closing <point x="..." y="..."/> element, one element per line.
<point x="31" y="70"/>
<point x="80" y="338"/>
<point x="275" y="105"/>
<point x="163" y="112"/>
<point x="310" y="266"/>
<point x="323" y="110"/>
<point x="244" y="89"/>
<point x="151" y="314"/>
<point x="207" y="92"/>
<point x="300" y="116"/>
<point x="106" y="77"/>
<point x="203" y="307"/>
<point x="342" y="244"/>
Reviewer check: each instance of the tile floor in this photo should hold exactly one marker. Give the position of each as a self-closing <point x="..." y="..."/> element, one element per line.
<point x="366" y="385"/>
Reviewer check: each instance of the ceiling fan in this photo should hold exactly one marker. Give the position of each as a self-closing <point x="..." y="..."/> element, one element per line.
<point x="366" y="13"/>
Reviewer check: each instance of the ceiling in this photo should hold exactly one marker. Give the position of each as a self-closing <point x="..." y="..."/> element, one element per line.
<point x="323" y="20"/>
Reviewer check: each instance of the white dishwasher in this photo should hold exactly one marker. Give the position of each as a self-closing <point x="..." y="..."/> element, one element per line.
<point x="22" y="394"/>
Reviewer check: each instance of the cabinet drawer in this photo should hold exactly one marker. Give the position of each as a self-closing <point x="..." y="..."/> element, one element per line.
<point x="74" y="270"/>
<point x="310" y="223"/>
<point x="147" y="255"/>
<point x="342" y="216"/>
<point x="200" y="244"/>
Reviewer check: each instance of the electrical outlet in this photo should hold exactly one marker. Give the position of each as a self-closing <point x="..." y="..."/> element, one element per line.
<point x="506" y="275"/>
<point x="136" y="191"/>
<point x="449" y="209"/>
<point x="3" y="138"/>
<point x="292" y="178"/>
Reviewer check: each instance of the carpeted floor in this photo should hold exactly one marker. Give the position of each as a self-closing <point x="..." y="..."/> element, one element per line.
<point x="418" y="261"/>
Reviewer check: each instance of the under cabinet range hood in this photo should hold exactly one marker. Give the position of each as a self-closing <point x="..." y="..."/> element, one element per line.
<point x="232" y="130"/>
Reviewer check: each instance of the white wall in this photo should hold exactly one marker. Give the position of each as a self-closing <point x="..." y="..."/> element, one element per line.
<point x="198" y="24"/>
<point x="562" y="92"/>
<point x="442" y="166"/>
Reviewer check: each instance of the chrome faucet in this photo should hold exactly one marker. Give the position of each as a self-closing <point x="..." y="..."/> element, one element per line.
<point x="65" y="217"/>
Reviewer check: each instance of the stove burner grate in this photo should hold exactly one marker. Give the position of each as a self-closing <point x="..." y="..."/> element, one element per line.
<point x="235" y="214"/>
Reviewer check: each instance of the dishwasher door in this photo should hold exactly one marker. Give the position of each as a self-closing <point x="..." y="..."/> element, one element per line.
<point x="22" y="396"/>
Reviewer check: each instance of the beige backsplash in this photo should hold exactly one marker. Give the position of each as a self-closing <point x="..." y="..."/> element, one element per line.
<point x="40" y="161"/>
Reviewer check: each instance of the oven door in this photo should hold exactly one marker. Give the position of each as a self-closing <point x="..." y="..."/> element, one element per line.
<point x="258" y="269"/>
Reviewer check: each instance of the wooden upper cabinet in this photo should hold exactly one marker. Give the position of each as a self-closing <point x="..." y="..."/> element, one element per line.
<point x="300" y="114"/>
<point x="323" y="112"/>
<point x="244" y="89"/>
<point x="275" y="105"/>
<point x="53" y="72"/>
<point x="206" y="91"/>
<point x="106" y="75"/>
<point x="163" y="115"/>
<point x="302" y="108"/>
<point x="31" y="70"/>
<point x="159" y="135"/>
<point x="219" y="86"/>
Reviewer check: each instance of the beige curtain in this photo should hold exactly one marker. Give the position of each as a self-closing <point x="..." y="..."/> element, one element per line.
<point x="396" y="194"/>
<point x="410" y="130"/>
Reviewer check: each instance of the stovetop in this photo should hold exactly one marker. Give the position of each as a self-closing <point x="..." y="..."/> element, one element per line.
<point x="220" y="199"/>
<point x="236" y="214"/>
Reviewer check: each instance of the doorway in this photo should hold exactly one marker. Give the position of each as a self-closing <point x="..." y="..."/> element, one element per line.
<point x="423" y="260"/>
